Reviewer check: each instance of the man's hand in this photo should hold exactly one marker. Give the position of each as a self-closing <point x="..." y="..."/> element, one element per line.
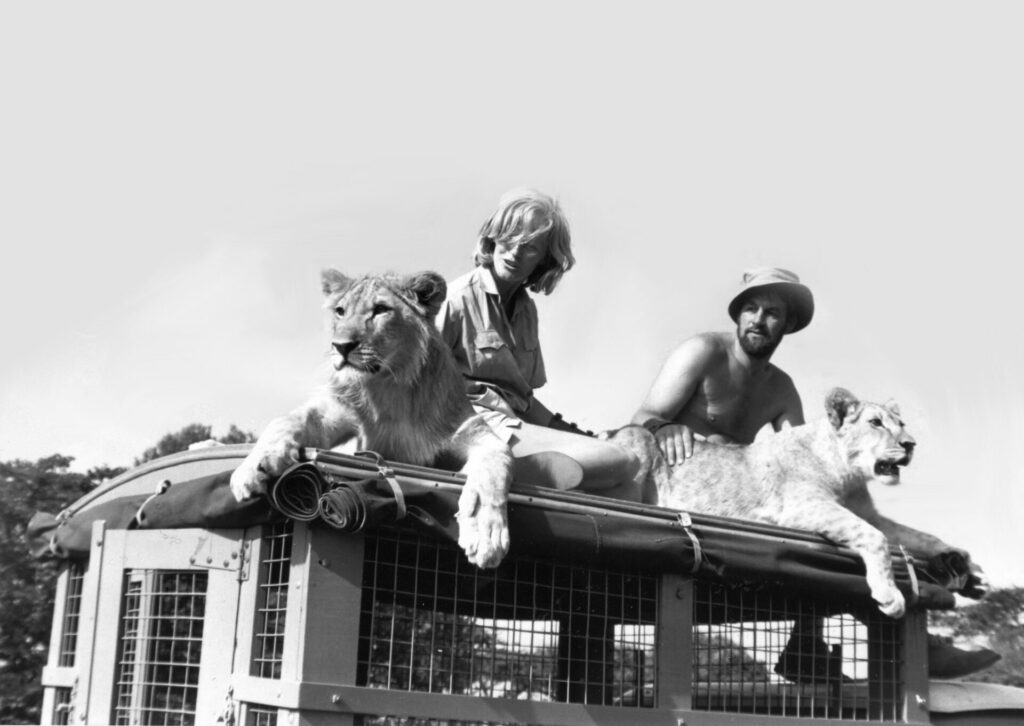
<point x="675" y="442"/>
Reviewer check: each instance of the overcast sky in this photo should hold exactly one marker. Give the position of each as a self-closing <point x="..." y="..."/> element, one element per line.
<point x="173" y="179"/>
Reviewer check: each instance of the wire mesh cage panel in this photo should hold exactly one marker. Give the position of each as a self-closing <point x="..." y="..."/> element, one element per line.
<point x="531" y="629"/>
<point x="72" y="611"/>
<point x="770" y="653"/>
<point x="272" y="603"/>
<point x="162" y="619"/>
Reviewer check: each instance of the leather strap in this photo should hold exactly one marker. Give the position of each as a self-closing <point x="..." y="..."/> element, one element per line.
<point x="388" y="475"/>
<point x="684" y="521"/>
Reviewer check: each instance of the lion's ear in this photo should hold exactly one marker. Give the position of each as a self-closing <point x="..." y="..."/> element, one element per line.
<point x="429" y="288"/>
<point x="840" y="403"/>
<point x="333" y="281"/>
<point x="893" y="407"/>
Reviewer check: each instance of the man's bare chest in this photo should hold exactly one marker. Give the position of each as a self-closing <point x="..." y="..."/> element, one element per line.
<point x="736" y="408"/>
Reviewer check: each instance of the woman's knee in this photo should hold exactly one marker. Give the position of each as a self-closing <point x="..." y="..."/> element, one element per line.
<point x="630" y="464"/>
<point x="616" y="463"/>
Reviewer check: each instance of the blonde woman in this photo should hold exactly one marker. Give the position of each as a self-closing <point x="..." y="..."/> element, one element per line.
<point x="490" y="322"/>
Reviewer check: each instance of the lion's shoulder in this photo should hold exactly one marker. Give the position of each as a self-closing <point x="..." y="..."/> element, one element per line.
<point x="806" y="451"/>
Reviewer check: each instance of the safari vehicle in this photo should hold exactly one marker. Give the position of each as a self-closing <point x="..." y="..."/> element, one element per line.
<point x="177" y="606"/>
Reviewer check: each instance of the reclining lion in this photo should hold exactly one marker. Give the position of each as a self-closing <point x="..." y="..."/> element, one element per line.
<point x="811" y="477"/>
<point x="396" y="388"/>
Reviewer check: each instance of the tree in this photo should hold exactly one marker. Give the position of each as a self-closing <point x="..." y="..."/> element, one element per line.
<point x="28" y="584"/>
<point x="26" y="597"/>
<point x="192" y="434"/>
<point x="997" y="622"/>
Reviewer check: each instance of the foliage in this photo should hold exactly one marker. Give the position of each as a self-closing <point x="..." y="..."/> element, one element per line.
<point x="26" y="598"/>
<point x="996" y="622"/>
<point x="181" y="439"/>
<point x="27" y="593"/>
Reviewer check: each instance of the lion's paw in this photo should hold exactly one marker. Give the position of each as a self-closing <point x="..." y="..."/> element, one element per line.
<point x="247" y="480"/>
<point x="483" y="531"/>
<point x="891" y="603"/>
<point x="264" y="463"/>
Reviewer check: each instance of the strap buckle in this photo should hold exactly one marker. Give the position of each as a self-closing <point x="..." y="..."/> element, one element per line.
<point x="388" y="475"/>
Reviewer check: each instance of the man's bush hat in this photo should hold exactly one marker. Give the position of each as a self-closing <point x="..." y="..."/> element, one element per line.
<point x="798" y="297"/>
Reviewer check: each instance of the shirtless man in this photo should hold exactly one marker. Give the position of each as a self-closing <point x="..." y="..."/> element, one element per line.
<point x="723" y="387"/>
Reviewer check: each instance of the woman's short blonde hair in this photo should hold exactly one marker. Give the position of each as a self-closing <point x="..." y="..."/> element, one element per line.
<point x="506" y="224"/>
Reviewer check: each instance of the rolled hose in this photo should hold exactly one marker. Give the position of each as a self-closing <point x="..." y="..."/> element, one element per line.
<point x="296" y="493"/>
<point x="303" y="493"/>
<point x="343" y="509"/>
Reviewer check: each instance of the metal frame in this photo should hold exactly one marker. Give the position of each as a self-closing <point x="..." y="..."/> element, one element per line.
<point x="321" y="685"/>
<point x="318" y="676"/>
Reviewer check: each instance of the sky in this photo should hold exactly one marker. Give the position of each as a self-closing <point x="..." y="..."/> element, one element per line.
<point x="174" y="178"/>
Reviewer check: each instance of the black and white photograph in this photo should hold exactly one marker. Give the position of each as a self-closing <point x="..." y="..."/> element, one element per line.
<point x="537" y="363"/>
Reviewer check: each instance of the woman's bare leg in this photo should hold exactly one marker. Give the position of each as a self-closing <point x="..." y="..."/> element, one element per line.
<point x="607" y="468"/>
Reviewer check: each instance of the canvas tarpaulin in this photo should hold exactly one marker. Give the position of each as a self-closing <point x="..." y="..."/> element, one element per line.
<point x="356" y="493"/>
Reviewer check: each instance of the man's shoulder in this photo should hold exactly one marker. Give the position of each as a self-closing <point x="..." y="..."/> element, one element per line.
<point x="706" y="344"/>
<point x="698" y="354"/>
<point x="779" y="377"/>
<point x="781" y="385"/>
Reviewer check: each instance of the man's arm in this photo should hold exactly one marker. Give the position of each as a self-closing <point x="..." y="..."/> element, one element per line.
<point x="792" y="408"/>
<point x="672" y="389"/>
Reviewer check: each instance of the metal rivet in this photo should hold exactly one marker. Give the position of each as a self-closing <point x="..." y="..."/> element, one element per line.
<point x="681" y="593"/>
<point x="209" y="560"/>
<point x="192" y="560"/>
<point x="335" y="698"/>
<point x="921" y="700"/>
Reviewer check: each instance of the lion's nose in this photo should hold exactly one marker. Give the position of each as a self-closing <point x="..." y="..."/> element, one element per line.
<point x="345" y="347"/>
<point x="908" y="446"/>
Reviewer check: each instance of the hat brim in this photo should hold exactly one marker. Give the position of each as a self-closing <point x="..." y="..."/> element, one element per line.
<point x="798" y="297"/>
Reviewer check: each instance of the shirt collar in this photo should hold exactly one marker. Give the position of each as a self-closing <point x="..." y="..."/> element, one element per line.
<point x="486" y="276"/>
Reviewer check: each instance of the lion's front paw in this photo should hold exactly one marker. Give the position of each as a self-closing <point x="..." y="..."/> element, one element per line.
<point x="483" y="530"/>
<point x="248" y="481"/>
<point x="891" y="602"/>
<point x="264" y="463"/>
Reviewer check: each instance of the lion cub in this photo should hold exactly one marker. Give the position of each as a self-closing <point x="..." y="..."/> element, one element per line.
<point x="811" y="477"/>
<point x="396" y="388"/>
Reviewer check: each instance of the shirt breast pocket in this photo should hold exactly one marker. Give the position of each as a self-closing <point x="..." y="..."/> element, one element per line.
<point x="492" y="358"/>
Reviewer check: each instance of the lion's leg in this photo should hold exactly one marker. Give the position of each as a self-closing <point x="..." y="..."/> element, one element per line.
<point x="921" y="543"/>
<point x="842" y="526"/>
<point x="322" y="422"/>
<point x="951" y="566"/>
<point x="483" y="520"/>
<point x="915" y="540"/>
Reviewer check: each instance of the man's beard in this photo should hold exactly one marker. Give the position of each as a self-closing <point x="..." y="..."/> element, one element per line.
<point x="761" y="348"/>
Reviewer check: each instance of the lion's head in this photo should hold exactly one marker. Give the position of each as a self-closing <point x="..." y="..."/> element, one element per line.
<point x="382" y="324"/>
<point x="876" y="442"/>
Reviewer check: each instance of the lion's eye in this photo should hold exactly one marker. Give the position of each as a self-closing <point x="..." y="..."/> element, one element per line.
<point x="875" y="422"/>
<point x="380" y="309"/>
<point x="339" y="311"/>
